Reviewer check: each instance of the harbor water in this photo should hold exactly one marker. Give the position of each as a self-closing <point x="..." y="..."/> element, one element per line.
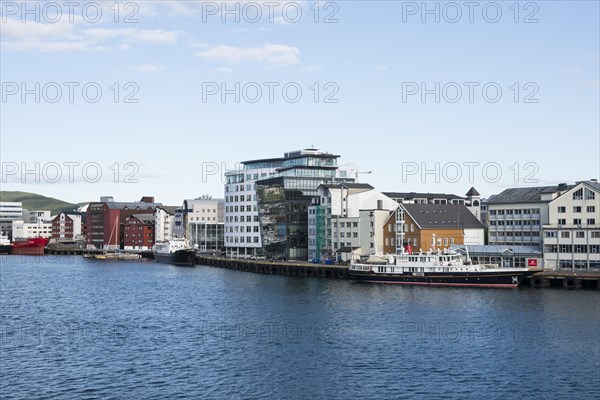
<point x="98" y="329"/>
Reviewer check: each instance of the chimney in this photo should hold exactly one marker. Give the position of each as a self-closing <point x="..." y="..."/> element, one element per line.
<point x="562" y="186"/>
<point x="594" y="180"/>
<point x="147" y="199"/>
<point x="380" y="204"/>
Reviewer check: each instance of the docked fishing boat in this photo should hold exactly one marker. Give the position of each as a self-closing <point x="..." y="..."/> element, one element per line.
<point x="437" y="269"/>
<point x="176" y="251"/>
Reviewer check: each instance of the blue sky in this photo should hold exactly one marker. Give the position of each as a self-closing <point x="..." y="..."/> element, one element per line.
<point x="370" y="57"/>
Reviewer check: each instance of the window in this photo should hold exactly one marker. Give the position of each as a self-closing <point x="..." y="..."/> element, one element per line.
<point x="589" y="195"/>
<point x="550" y="234"/>
<point x="591" y="221"/>
<point x="580" y="234"/>
<point x="562" y="210"/>
<point x="562" y="222"/>
<point x="577" y="209"/>
<point x="578" y="195"/>
<point x="565" y="235"/>
<point x="591" y="209"/>
<point x="445" y="241"/>
<point x="576" y="221"/>
<point x="595" y="235"/>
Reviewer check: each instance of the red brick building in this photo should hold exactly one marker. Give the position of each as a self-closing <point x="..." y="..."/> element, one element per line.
<point x="138" y="232"/>
<point x="105" y="220"/>
<point x="68" y="226"/>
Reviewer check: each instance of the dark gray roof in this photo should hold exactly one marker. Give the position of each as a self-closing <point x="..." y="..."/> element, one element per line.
<point x="146" y="218"/>
<point x="118" y="205"/>
<point x="524" y="195"/>
<point x="442" y="216"/>
<point x="415" y="195"/>
<point x="170" y="209"/>
<point x="472" y="192"/>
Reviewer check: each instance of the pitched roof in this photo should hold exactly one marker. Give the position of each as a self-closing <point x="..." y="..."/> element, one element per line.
<point x="416" y="195"/>
<point x="117" y="205"/>
<point x="524" y="195"/>
<point x="442" y="216"/>
<point x="472" y="192"/>
<point x="145" y="218"/>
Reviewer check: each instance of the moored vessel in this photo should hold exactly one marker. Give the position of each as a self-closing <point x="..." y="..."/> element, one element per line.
<point x="5" y="247"/>
<point x="437" y="269"/>
<point x="30" y="247"/>
<point x="175" y="251"/>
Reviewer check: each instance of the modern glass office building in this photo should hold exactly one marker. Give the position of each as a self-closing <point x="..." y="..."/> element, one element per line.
<point x="266" y="205"/>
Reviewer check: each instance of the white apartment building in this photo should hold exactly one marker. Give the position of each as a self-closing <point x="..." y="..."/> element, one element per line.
<point x="571" y="237"/>
<point x="22" y="230"/>
<point x="344" y="221"/>
<point x="9" y="212"/>
<point x="164" y="218"/>
<point x="515" y="216"/>
<point x="242" y="225"/>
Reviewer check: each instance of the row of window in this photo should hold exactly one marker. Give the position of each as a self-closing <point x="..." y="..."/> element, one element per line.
<point x="238" y="198"/>
<point x="567" y="234"/>
<point x="517" y="222"/>
<point x="526" y="211"/>
<point x="577" y="209"/>
<point x="516" y="234"/>
<point x="577" y="221"/>
<point x="241" y="239"/>
<point x="241" y="218"/>
<point x="236" y="229"/>
<point x="572" y="248"/>
<point x="247" y="208"/>
<point x="581" y="194"/>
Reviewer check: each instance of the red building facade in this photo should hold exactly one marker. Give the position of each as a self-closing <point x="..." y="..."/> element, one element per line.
<point x="138" y="232"/>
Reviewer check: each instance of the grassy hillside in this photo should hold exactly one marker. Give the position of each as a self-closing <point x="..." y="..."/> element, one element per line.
<point x="32" y="201"/>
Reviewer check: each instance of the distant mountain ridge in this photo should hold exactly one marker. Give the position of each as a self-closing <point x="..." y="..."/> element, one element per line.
<point x="33" y="201"/>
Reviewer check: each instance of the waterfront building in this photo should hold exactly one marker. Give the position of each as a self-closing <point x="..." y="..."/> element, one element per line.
<point x="344" y="220"/>
<point x="472" y="200"/>
<point x="68" y="227"/>
<point x="571" y="236"/>
<point x="27" y="230"/>
<point x="105" y="220"/>
<point x="201" y="222"/>
<point x="502" y="256"/>
<point x="516" y="215"/>
<point x="36" y="216"/>
<point x="432" y="227"/>
<point x="164" y="220"/>
<point x="138" y="232"/>
<point x="266" y="202"/>
<point x="10" y="211"/>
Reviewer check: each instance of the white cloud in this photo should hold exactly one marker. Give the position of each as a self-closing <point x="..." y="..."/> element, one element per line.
<point x="311" y="68"/>
<point x="381" y="68"/>
<point x="65" y="37"/>
<point x="272" y="55"/>
<point x="148" y="68"/>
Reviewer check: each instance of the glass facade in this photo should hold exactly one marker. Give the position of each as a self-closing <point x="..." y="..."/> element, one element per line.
<point x="208" y="237"/>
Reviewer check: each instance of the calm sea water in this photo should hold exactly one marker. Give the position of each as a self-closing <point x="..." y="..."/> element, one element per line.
<point x="75" y="328"/>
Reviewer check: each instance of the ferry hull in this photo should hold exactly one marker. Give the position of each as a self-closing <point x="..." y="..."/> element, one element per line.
<point x="474" y="279"/>
<point x="180" y="257"/>
<point x="5" y="249"/>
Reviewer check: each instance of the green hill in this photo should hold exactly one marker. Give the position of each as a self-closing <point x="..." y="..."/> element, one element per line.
<point x="32" y="201"/>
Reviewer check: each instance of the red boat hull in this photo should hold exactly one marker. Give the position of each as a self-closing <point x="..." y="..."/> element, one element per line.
<point x="30" y="247"/>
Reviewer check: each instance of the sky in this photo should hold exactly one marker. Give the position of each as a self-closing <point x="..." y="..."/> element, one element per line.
<point x="161" y="98"/>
